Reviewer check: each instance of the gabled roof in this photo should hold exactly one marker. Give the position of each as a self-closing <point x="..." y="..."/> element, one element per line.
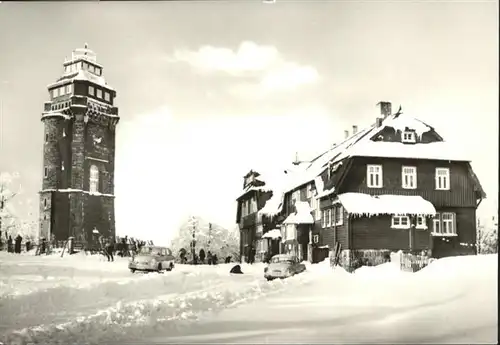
<point x="362" y="144"/>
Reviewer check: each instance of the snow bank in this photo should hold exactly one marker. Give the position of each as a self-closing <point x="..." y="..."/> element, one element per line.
<point x="134" y="318"/>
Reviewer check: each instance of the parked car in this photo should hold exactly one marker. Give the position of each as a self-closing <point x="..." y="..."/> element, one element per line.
<point x="283" y="266"/>
<point x="151" y="259"/>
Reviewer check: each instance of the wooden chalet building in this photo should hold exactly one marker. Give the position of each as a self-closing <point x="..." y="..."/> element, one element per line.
<point x="396" y="185"/>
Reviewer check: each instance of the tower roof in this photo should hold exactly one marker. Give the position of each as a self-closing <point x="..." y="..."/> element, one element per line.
<point x="83" y="54"/>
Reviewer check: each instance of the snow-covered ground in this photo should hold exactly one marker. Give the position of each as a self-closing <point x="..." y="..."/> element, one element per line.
<point x="86" y="300"/>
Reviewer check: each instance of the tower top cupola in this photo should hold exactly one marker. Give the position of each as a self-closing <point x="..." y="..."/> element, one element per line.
<point x="82" y="66"/>
<point x="82" y="59"/>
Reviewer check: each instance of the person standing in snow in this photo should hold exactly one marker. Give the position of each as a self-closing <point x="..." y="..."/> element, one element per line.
<point x="202" y="256"/>
<point x="10" y="248"/>
<point x="209" y="257"/>
<point x="109" y="249"/>
<point x="17" y="248"/>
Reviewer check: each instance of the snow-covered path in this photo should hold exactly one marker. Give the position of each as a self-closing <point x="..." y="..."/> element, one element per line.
<point x="452" y="301"/>
<point x="87" y="301"/>
<point x="49" y="300"/>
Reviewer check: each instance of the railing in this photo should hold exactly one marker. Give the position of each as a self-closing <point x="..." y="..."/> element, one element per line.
<point x="414" y="263"/>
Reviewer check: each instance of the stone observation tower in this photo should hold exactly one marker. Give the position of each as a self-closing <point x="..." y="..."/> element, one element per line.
<point x="79" y="153"/>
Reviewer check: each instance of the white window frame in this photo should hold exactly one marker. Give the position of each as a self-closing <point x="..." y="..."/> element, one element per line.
<point x="409" y="177"/>
<point x="309" y="191"/>
<point x="397" y="222"/>
<point x="443" y="230"/>
<point x="421" y="223"/>
<point x="62" y="90"/>
<point x="289" y="232"/>
<point x="374" y="170"/>
<point x="107" y="97"/>
<point x="98" y="93"/>
<point x="436" y="224"/>
<point x="91" y="90"/>
<point x="69" y="88"/>
<point x="442" y="178"/>
<point x="55" y="93"/>
<point x="409" y="137"/>
<point x="323" y="218"/>
<point x="315" y="238"/>
<point x="338" y="209"/>
<point x="448" y="225"/>
<point x="94" y="179"/>
<point x="45" y="172"/>
<point x="328" y="217"/>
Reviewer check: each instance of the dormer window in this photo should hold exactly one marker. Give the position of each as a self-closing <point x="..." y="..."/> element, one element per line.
<point x="91" y="90"/>
<point x="409" y="137"/>
<point x="99" y="93"/>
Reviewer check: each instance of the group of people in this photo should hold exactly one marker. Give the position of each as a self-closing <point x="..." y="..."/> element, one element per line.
<point x="123" y="247"/>
<point x="14" y="246"/>
<point x="201" y="259"/>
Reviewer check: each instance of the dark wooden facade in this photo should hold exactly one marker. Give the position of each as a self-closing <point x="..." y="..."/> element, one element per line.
<point x="375" y="233"/>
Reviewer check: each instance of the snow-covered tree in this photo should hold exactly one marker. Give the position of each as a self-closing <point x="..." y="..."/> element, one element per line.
<point x="209" y="237"/>
<point x="8" y="221"/>
<point x="487" y="239"/>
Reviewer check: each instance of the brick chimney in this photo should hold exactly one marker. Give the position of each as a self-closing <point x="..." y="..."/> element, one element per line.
<point x="385" y="108"/>
<point x="354" y="129"/>
<point x="346" y="134"/>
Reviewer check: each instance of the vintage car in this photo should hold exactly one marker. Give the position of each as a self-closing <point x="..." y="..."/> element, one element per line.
<point x="152" y="259"/>
<point x="283" y="266"/>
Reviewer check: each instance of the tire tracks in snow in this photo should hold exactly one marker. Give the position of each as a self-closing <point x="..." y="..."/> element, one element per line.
<point x="138" y="318"/>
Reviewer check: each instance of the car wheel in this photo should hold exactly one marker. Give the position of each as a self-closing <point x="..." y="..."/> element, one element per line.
<point x="132" y="270"/>
<point x="170" y="267"/>
<point x="269" y="279"/>
<point x="160" y="268"/>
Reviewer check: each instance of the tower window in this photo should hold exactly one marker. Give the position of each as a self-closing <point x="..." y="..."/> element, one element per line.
<point x="106" y="96"/>
<point x="98" y="71"/>
<point x="62" y="165"/>
<point x="64" y="133"/>
<point x="44" y="202"/>
<point x="46" y="137"/>
<point x="94" y="179"/>
<point x="85" y="65"/>
<point x="62" y="91"/>
<point x="99" y="93"/>
<point x="55" y="93"/>
<point x="91" y="68"/>
<point x="91" y="90"/>
<point x="45" y="172"/>
<point x="68" y="88"/>
<point x="44" y="217"/>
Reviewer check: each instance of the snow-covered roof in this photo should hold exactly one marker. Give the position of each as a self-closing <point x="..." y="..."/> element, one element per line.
<point x="250" y="188"/>
<point x="439" y="150"/>
<point x="55" y="113"/>
<point x="83" y="75"/>
<point x="365" y="204"/>
<point x="302" y="215"/>
<point x="360" y="144"/>
<point x="273" y="234"/>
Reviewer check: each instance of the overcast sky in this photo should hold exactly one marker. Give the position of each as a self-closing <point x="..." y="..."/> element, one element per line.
<point x="208" y="90"/>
